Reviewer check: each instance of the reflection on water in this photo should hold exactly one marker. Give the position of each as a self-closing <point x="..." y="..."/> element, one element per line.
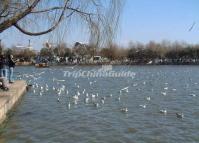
<point x="64" y="109"/>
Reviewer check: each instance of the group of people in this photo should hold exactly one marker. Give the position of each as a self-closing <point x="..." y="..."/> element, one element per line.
<point x="7" y="65"/>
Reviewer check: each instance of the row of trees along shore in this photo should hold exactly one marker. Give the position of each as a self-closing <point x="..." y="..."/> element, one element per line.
<point x="135" y="53"/>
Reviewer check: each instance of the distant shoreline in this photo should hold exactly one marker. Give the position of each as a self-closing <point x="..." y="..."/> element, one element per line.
<point x="99" y="64"/>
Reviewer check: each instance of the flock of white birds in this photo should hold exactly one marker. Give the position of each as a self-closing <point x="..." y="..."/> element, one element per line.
<point x="83" y="95"/>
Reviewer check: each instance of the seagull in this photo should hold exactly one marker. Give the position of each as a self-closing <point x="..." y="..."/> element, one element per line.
<point x="163" y="111"/>
<point x="164" y="93"/>
<point x="192" y="26"/>
<point x="96" y="105"/>
<point x="93" y="95"/>
<point x="148" y="98"/>
<point x="102" y="101"/>
<point x="125" y="109"/>
<point x="86" y="100"/>
<point x="125" y="89"/>
<point x="166" y="88"/>
<point x="78" y="93"/>
<point x="40" y="93"/>
<point x="83" y="91"/>
<point x="75" y="97"/>
<point x="69" y="105"/>
<point x="180" y="115"/>
<point x="143" y="106"/>
<point x="193" y="95"/>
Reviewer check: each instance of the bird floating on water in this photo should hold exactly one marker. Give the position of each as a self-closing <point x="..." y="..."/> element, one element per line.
<point x="180" y="115"/>
<point x="143" y="106"/>
<point x="164" y="93"/>
<point x="96" y="105"/>
<point x="75" y="97"/>
<point x="69" y="105"/>
<point x="164" y="111"/>
<point x="86" y="100"/>
<point x="166" y="88"/>
<point x="118" y="98"/>
<point x="193" y="95"/>
<point x="148" y="98"/>
<point x="125" y="109"/>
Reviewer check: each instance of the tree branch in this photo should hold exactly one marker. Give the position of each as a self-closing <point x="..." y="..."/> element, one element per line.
<point x="14" y="19"/>
<point x="46" y="31"/>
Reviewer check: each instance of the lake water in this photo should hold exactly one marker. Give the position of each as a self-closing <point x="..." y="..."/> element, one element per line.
<point x="43" y="114"/>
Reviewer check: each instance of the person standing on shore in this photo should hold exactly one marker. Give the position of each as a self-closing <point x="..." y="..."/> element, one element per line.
<point x="11" y="65"/>
<point x="3" y="66"/>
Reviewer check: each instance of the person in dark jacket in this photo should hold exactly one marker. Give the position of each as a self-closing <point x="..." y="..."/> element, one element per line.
<point x="11" y="65"/>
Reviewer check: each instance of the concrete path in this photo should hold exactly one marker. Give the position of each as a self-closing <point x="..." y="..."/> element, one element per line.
<point x="9" y="98"/>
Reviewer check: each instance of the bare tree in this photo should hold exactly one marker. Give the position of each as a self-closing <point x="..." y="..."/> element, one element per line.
<point x="38" y="17"/>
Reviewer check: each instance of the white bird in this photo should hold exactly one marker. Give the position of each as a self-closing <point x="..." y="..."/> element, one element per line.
<point x="86" y="100"/>
<point x="125" y="109"/>
<point x="59" y="92"/>
<point x="135" y="84"/>
<point x="75" y="102"/>
<point x="164" y="93"/>
<point x="69" y="105"/>
<point x="102" y="101"/>
<point x="93" y="95"/>
<point x="34" y="91"/>
<point x="58" y="100"/>
<point x="75" y="97"/>
<point x="118" y="98"/>
<point x="143" y="106"/>
<point x="124" y="89"/>
<point x="148" y="98"/>
<point x="163" y="111"/>
<point x="174" y="89"/>
<point x="83" y="91"/>
<point x="40" y="93"/>
<point x="78" y="93"/>
<point x="193" y="95"/>
<point x="166" y="88"/>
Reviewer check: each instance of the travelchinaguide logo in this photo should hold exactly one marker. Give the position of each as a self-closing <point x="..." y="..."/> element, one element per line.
<point x="104" y="72"/>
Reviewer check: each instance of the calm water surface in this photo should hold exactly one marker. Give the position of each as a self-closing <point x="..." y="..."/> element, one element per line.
<point x="43" y="114"/>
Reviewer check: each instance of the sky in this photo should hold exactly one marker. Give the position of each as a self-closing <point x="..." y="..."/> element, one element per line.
<point x="141" y="20"/>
